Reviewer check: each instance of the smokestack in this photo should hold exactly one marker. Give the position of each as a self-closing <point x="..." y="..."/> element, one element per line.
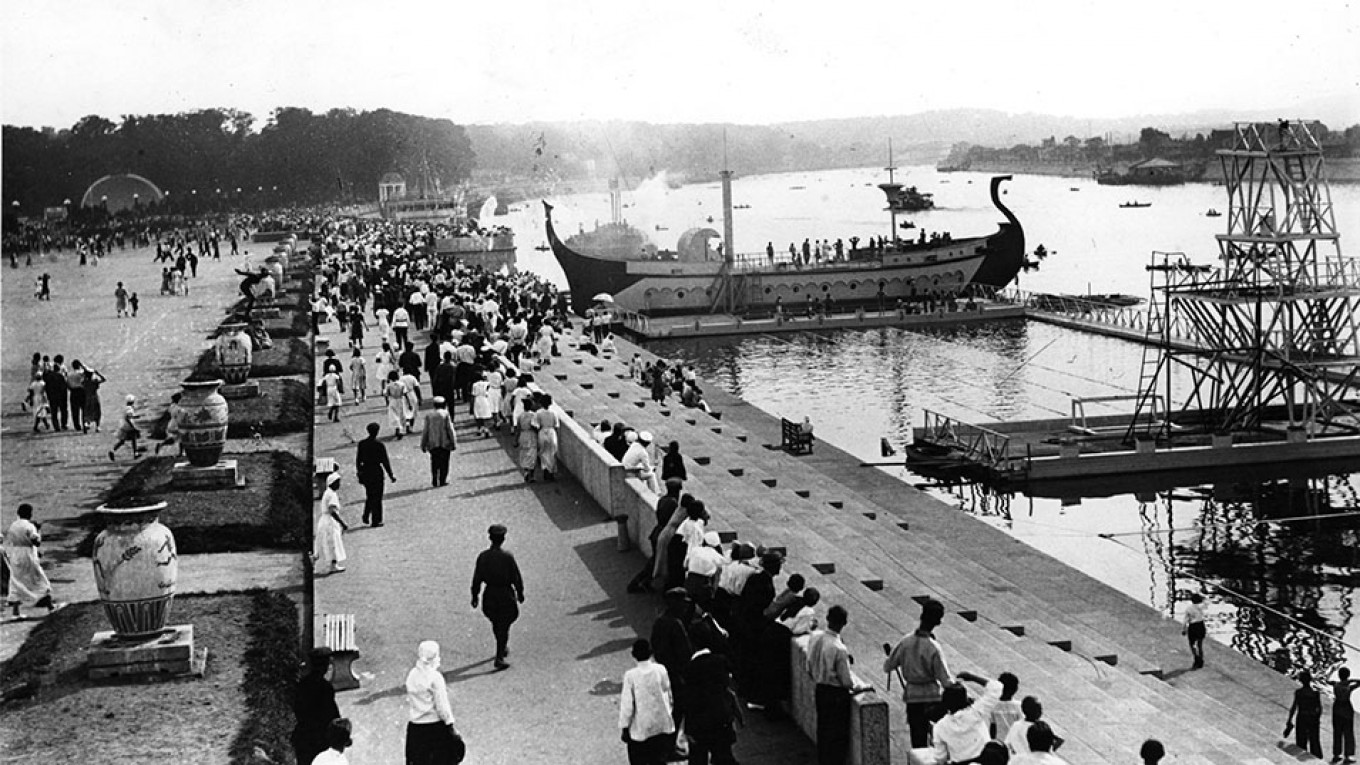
<point x="729" y="250"/>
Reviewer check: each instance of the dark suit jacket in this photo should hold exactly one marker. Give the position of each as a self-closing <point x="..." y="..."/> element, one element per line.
<point x="707" y="715"/>
<point x="370" y="461"/>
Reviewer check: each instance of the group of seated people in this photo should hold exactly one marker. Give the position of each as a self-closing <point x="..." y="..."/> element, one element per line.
<point x="663" y="379"/>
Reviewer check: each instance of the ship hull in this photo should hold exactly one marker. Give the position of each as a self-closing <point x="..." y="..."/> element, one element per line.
<point x="672" y="287"/>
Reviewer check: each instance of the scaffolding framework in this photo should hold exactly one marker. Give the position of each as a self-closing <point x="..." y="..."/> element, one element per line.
<point x="1271" y="336"/>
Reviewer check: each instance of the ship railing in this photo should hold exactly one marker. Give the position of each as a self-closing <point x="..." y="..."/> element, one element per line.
<point x="974" y="443"/>
<point x="631" y="320"/>
<point x="759" y="261"/>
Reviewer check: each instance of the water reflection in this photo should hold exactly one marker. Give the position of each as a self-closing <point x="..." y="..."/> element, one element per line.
<point x="1276" y="555"/>
<point x="1275" y="551"/>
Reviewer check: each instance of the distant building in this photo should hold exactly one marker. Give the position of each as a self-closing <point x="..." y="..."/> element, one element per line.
<point x="391" y="187"/>
<point x="1155" y="169"/>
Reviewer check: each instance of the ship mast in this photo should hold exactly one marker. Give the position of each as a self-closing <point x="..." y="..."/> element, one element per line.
<point x="729" y="250"/>
<point x="892" y="209"/>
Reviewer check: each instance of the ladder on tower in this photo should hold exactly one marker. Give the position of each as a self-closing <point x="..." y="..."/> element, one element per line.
<point x="1156" y="358"/>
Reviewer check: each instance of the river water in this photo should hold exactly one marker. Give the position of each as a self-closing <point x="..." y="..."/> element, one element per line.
<point x="1279" y="588"/>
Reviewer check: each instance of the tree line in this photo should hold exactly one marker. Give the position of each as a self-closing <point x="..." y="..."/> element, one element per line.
<point x="214" y="159"/>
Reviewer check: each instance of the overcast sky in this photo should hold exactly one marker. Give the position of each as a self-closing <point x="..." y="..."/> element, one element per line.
<point x="674" y="61"/>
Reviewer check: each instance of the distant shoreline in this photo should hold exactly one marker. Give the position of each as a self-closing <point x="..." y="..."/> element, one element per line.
<point x="1344" y="170"/>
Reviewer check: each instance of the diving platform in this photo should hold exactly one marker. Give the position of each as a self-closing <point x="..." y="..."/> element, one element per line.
<point x="1105" y="446"/>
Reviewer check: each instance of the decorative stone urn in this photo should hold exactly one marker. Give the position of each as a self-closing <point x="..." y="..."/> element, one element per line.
<point x="203" y="423"/>
<point x="275" y="264"/>
<point x="233" y="353"/>
<point x="135" y="569"/>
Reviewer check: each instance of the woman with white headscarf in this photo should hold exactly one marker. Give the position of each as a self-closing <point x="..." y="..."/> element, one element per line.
<point x="431" y="738"/>
<point x="328" y="547"/>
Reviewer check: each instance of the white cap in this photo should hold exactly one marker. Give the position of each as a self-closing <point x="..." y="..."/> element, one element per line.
<point x="712" y="539"/>
<point x="645" y="437"/>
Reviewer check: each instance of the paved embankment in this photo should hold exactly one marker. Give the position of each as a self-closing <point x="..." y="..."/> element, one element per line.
<point x="409" y="581"/>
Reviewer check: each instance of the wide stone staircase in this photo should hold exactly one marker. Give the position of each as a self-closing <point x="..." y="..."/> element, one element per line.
<point x="1110" y="671"/>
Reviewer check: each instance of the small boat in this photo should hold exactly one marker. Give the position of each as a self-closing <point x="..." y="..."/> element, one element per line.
<point x="1213" y="213"/>
<point x="543" y="248"/>
<point x="660" y="227"/>
<point x="797" y="188"/>
<point x="1073" y="188"/>
<point x="1128" y="205"/>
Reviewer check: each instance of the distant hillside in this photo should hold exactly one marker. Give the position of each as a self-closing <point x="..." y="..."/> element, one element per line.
<point x="581" y="150"/>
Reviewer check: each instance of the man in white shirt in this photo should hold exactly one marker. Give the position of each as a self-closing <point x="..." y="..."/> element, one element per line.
<point x="639" y="458"/>
<point x="401" y="325"/>
<point x="1041" y="742"/>
<point x="645" y="709"/>
<point x="829" y="666"/>
<point x="491" y="312"/>
<point x="417" y="310"/>
<point x="961" y="734"/>
<point x="805" y="620"/>
<point x="702" y="567"/>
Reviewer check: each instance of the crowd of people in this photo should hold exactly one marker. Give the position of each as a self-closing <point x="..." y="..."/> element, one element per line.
<point x="719" y="648"/>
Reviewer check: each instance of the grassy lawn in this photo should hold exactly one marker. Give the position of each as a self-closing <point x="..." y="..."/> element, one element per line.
<point x="243" y="702"/>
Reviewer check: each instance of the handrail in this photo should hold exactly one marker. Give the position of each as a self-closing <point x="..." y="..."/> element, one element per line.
<point x="981" y="445"/>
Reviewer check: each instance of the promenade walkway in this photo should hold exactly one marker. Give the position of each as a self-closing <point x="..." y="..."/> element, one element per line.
<point x="410" y="580"/>
<point x="1111" y="671"/>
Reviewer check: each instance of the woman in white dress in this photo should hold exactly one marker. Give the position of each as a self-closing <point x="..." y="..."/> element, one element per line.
<point x="519" y="397"/>
<point x="358" y="376"/>
<point x="543" y="346"/>
<point x="526" y="424"/>
<point x="545" y="419"/>
<point x="395" y="395"/>
<point x="335" y="390"/>
<point x="27" y="582"/>
<point x="384" y="327"/>
<point x="494" y="382"/>
<point x="481" y="404"/>
<point x="384" y="363"/>
<point x="329" y="548"/>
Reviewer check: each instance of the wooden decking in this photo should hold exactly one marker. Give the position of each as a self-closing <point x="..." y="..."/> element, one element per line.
<point x="1110" y="671"/>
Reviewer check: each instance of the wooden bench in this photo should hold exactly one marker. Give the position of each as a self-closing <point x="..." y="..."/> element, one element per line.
<point x="794" y="440"/>
<point x="324" y="467"/>
<point x="337" y="634"/>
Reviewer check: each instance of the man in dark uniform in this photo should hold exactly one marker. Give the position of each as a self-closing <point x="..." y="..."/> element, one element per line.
<point x="370" y="463"/>
<point x="314" y="707"/>
<point x="497" y="569"/>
